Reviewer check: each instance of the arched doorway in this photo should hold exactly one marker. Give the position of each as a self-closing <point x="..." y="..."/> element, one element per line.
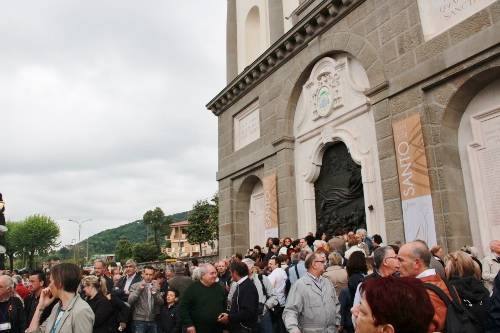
<point x="256" y="216"/>
<point x="479" y="148"/>
<point x="339" y="192"/>
<point x="333" y="112"/>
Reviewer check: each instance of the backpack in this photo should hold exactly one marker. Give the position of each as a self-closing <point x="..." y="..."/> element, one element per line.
<point x="458" y="318"/>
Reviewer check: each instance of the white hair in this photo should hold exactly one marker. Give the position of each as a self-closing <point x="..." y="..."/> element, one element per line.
<point x="9" y="281"/>
<point x="361" y="231"/>
<point x="197" y="273"/>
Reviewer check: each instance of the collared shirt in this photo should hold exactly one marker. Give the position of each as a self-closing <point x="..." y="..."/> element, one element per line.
<point x="129" y="280"/>
<point x="318" y="281"/>
<point x="426" y="273"/>
<point x="278" y="279"/>
<point x="240" y="281"/>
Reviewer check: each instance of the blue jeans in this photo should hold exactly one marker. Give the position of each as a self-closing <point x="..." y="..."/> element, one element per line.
<point x="265" y="324"/>
<point x="139" y="326"/>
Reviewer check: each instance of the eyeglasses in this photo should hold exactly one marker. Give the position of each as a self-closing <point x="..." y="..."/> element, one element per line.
<point x="128" y="266"/>
<point x="321" y="261"/>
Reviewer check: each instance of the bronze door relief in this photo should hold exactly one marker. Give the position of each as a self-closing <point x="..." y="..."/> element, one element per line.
<point x="339" y="192"/>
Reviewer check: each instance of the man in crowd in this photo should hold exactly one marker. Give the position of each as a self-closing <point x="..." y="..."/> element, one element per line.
<point x="304" y="246"/>
<point x="414" y="259"/>
<point x="267" y="298"/>
<point x="386" y="263"/>
<point x="37" y="281"/>
<point x="11" y="307"/>
<point x="223" y="274"/>
<point x="100" y="270"/>
<point x="298" y="268"/>
<point x="202" y="303"/>
<point x="243" y="314"/>
<point x="362" y="235"/>
<point x="312" y="302"/>
<point x="278" y="277"/>
<point x="491" y="265"/>
<point x="131" y="277"/>
<point x="146" y="300"/>
<point x="180" y="281"/>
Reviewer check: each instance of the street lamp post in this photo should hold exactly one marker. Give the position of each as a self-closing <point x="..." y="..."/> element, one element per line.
<point x="80" y="223"/>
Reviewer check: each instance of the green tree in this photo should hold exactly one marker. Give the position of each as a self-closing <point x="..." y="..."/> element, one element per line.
<point x="123" y="249"/>
<point x="12" y="242"/>
<point x="204" y="222"/>
<point x="37" y="235"/>
<point x="145" y="252"/>
<point x="157" y="221"/>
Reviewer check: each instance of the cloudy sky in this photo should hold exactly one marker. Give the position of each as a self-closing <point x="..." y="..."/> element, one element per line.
<point x="102" y="108"/>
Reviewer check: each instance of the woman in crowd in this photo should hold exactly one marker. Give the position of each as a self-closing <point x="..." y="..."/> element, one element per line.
<point x="393" y="305"/>
<point x="356" y="271"/>
<point x="78" y="316"/>
<point x="95" y="291"/>
<point x="287" y="244"/>
<point x="438" y="253"/>
<point x="336" y="273"/>
<point x="464" y="274"/>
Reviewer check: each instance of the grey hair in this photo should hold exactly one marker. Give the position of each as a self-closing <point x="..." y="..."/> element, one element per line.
<point x="379" y="255"/>
<point x="421" y="251"/>
<point x="361" y="230"/>
<point x="9" y="280"/>
<point x="131" y="262"/>
<point x="202" y="269"/>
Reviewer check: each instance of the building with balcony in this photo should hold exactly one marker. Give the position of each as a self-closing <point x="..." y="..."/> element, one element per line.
<point x="181" y="248"/>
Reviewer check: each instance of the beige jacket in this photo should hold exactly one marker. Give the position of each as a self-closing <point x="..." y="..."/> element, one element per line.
<point x="338" y="276"/>
<point x="78" y="318"/>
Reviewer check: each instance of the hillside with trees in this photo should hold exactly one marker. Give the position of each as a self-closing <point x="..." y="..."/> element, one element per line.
<point x="135" y="232"/>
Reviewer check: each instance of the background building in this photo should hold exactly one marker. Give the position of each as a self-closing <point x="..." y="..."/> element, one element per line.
<point x="181" y="248"/>
<point x="346" y="113"/>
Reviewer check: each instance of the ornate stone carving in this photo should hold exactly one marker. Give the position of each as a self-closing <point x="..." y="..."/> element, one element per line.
<point x="327" y="95"/>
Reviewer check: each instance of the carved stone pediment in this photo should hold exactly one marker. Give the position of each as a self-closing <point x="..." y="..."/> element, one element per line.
<point x="330" y="92"/>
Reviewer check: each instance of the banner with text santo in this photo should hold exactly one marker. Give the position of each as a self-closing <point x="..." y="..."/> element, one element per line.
<point x="414" y="186"/>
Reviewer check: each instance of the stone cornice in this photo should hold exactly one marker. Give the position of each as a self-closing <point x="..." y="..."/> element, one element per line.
<point x="326" y="14"/>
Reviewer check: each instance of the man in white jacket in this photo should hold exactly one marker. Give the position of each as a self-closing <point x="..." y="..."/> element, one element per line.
<point x="491" y="265"/>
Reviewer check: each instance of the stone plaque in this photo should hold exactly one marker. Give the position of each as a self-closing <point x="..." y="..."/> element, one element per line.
<point x="489" y="158"/>
<point x="246" y="126"/>
<point x="438" y="16"/>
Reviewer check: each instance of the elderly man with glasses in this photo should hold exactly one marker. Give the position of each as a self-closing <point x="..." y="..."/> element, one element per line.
<point x="312" y="305"/>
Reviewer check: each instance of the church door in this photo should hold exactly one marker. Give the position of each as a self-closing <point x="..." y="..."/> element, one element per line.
<point x="339" y="192"/>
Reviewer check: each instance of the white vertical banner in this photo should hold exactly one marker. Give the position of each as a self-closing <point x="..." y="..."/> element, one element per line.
<point x="414" y="185"/>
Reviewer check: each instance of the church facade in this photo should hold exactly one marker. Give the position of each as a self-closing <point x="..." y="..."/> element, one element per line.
<point x="360" y="113"/>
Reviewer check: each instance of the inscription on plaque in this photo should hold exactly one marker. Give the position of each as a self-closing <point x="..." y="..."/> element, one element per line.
<point x="246" y="127"/>
<point x="438" y="16"/>
<point x="490" y="167"/>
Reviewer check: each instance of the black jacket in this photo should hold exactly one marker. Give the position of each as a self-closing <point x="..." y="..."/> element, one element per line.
<point x="30" y="304"/>
<point x="494" y="307"/>
<point x="104" y="315"/>
<point x="244" y="307"/>
<point x="170" y="319"/>
<point x="119" y="290"/>
<point x="474" y="296"/>
<point x="12" y="311"/>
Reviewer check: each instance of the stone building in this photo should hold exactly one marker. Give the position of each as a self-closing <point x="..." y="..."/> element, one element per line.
<point x="348" y="113"/>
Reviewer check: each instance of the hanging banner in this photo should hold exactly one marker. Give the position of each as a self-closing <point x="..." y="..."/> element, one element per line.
<point x="414" y="186"/>
<point x="271" y="206"/>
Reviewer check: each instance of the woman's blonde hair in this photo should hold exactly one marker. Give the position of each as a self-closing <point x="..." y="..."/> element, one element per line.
<point x="98" y="283"/>
<point x="461" y="264"/>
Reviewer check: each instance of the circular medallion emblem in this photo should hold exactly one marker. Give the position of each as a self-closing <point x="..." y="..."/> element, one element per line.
<point x="323" y="101"/>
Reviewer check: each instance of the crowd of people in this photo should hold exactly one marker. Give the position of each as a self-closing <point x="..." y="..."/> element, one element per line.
<point x="346" y="283"/>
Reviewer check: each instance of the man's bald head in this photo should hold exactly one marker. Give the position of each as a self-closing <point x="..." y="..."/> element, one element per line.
<point x="414" y="258"/>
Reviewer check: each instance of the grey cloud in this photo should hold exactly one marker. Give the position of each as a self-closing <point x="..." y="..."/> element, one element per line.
<point x="102" y="107"/>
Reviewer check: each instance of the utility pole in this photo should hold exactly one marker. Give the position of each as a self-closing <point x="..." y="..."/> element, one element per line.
<point x="80" y="223"/>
